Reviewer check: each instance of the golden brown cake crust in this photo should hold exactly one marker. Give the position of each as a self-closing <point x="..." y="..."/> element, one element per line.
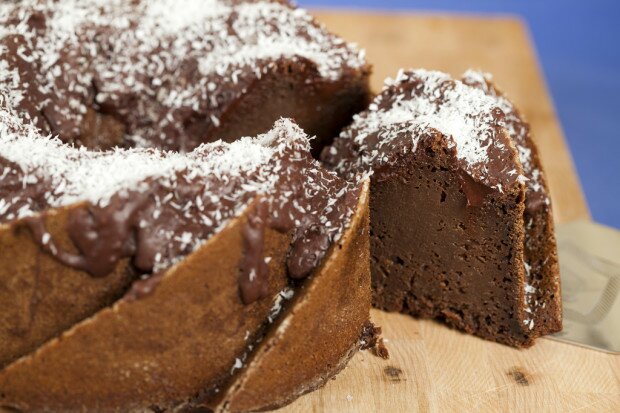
<point x="161" y="348"/>
<point x="120" y="359"/>
<point x="318" y="333"/>
<point x="42" y="297"/>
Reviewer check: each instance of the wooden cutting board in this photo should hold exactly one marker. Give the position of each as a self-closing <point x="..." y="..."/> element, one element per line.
<point x="431" y="367"/>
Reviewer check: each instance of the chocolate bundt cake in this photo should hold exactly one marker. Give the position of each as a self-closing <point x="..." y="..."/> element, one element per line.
<point x="186" y="261"/>
<point x="155" y="259"/>
<point x="172" y="74"/>
<point x="461" y="225"/>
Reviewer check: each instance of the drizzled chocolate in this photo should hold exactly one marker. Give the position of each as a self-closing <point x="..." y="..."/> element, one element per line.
<point x="156" y="208"/>
<point x="310" y="202"/>
<point x="126" y="73"/>
<point x="253" y="276"/>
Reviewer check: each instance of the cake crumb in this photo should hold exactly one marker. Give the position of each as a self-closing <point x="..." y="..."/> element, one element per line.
<point x="349" y="397"/>
<point x="370" y="335"/>
<point x="381" y="351"/>
<point x="371" y="340"/>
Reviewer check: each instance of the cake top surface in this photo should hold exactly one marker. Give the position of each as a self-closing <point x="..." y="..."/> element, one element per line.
<point x="421" y="102"/>
<point x="159" y="74"/>
<point x="73" y="174"/>
<point x="519" y="131"/>
<point x="173" y="202"/>
<point x="225" y="34"/>
<point x="153" y="64"/>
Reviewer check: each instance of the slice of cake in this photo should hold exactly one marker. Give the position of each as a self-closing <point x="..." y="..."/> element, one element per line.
<point x="461" y="226"/>
<point x="144" y="278"/>
<point x="176" y="73"/>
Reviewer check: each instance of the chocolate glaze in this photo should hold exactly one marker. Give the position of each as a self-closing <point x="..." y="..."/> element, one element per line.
<point x="310" y="241"/>
<point x="254" y="273"/>
<point x="519" y="131"/>
<point x="31" y="195"/>
<point x="103" y="236"/>
<point x="475" y="192"/>
<point x="47" y="244"/>
<point x="311" y="217"/>
<point x="131" y="224"/>
<point x="109" y="87"/>
<point x="307" y="251"/>
<point x="154" y="84"/>
<point x="385" y="141"/>
<point x="163" y="219"/>
<point x="310" y="213"/>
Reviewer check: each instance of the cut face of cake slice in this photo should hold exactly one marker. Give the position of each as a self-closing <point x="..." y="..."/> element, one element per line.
<point x="461" y="228"/>
<point x="191" y="250"/>
<point x="176" y="73"/>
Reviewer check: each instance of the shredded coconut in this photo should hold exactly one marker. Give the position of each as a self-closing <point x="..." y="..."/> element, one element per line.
<point x="169" y="58"/>
<point x="517" y="129"/>
<point x="464" y="114"/>
<point x="76" y="174"/>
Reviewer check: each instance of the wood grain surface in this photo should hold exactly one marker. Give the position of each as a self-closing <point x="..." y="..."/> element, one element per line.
<point x="431" y="367"/>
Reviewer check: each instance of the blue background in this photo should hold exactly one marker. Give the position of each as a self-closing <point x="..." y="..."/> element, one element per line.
<point x="578" y="44"/>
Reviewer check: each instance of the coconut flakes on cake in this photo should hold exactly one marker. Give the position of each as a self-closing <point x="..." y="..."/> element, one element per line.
<point x="462" y="113"/>
<point x="77" y="174"/>
<point x="67" y="175"/>
<point x="147" y="49"/>
<point x="517" y="129"/>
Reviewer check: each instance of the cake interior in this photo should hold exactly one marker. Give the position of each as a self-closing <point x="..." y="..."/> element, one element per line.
<point x="434" y="255"/>
<point x="461" y="224"/>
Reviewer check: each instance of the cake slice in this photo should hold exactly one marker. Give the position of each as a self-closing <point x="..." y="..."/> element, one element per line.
<point x="318" y="329"/>
<point x="199" y="249"/>
<point x="461" y="226"/>
<point x="173" y="74"/>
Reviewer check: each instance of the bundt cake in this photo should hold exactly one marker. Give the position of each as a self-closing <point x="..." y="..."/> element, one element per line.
<point x="172" y="74"/>
<point x="168" y="243"/>
<point x="461" y="225"/>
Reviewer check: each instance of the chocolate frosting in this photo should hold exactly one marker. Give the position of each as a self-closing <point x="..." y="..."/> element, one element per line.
<point x="160" y="219"/>
<point x="254" y="273"/>
<point x="475" y="192"/>
<point x="166" y="81"/>
<point x="536" y="196"/>
<point x="418" y="104"/>
<point x="104" y="74"/>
